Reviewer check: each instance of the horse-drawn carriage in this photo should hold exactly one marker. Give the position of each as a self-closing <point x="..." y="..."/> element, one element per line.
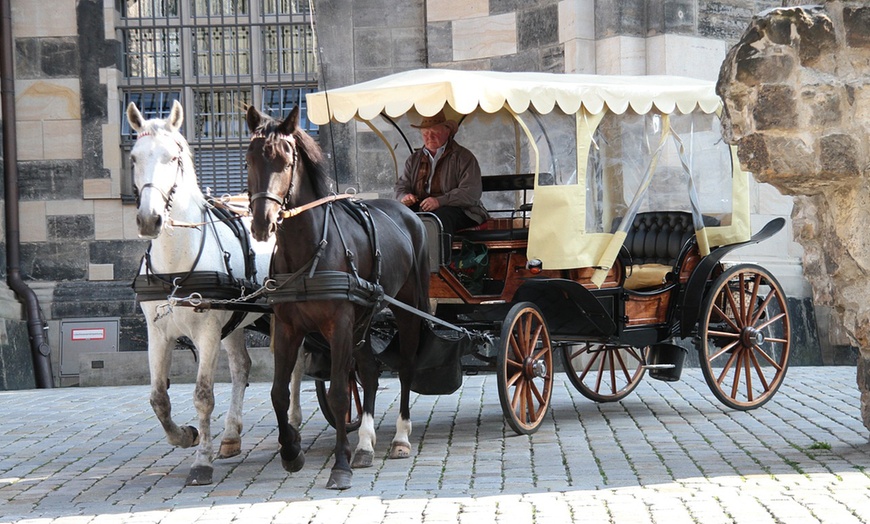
<point x="613" y="201"/>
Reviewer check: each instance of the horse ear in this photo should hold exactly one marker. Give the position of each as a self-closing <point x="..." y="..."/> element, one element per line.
<point x="253" y="118"/>
<point x="135" y="117"/>
<point x="289" y="125"/>
<point x="176" y="116"/>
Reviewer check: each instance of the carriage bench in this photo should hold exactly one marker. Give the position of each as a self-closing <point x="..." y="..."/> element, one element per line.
<point x="507" y="232"/>
<point x="653" y="245"/>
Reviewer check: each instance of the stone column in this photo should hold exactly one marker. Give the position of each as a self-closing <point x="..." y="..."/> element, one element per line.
<point x="797" y="103"/>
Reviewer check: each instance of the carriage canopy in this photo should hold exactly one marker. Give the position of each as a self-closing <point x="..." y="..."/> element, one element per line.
<point x="602" y="149"/>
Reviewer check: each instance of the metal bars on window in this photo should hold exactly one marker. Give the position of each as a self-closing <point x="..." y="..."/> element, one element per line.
<point x="216" y="57"/>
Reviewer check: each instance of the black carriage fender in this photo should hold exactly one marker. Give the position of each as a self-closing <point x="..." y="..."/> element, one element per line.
<point x="697" y="284"/>
<point x="566" y="299"/>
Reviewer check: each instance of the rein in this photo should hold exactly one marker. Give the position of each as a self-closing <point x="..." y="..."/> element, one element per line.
<point x="293" y="211"/>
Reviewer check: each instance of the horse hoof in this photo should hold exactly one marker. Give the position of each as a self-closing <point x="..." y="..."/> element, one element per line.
<point x="400" y="450"/>
<point x="294" y="465"/>
<point x="195" y="436"/>
<point x="230" y="447"/>
<point x="199" y="476"/>
<point x="362" y="459"/>
<point x="339" y="479"/>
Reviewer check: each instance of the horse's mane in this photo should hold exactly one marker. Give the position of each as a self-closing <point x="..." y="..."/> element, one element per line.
<point x="309" y="152"/>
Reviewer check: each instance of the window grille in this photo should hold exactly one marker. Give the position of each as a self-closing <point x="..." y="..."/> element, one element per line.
<point x="215" y="57"/>
<point x="151" y="104"/>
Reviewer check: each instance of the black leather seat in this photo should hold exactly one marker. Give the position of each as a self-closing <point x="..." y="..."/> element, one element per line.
<point x="653" y="245"/>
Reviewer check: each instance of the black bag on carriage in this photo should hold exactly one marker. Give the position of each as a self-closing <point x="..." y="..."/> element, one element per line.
<point x="438" y="369"/>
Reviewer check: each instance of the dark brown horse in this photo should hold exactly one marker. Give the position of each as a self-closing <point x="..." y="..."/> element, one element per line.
<point x="334" y="259"/>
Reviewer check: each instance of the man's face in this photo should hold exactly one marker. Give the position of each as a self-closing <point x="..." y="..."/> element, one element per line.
<point x="435" y="136"/>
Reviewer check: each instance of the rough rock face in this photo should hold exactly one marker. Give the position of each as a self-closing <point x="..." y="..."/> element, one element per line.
<point x="797" y="102"/>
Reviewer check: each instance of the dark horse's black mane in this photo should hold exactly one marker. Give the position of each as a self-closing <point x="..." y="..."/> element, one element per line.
<point x="309" y="153"/>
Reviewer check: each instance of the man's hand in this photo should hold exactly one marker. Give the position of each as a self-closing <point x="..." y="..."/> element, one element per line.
<point x="429" y="204"/>
<point x="409" y="200"/>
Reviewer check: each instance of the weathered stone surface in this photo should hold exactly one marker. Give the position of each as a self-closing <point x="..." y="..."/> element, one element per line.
<point x="70" y="227"/>
<point x="124" y="255"/>
<point x="775" y="108"/>
<point x="802" y="127"/>
<point x="372" y="48"/>
<point x="623" y="18"/>
<point x="27" y="63"/>
<point x="727" y="19"/>
<point x="671" y="16"/>
<point x="771" y="68"/>
<point x="538" y="27"/>
<point x="56" y="261"/>
<point x="59" y="180"/>
<point x="857" y="24"/>
<point x="825" y="105"/>
<point x="440" y="42"/>
<point x="817" y="40"/>
<point x="94" y="299"/>
<point x="16" y="363"/>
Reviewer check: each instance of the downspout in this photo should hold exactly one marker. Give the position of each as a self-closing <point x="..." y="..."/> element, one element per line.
<point x="36" y="328"/>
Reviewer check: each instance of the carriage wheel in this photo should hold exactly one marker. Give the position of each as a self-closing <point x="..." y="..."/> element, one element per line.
<point x="602" y="372"/>
<point x="354" y="394"/>
<point x="525" y="368"/>
<point x="745" y="337"/>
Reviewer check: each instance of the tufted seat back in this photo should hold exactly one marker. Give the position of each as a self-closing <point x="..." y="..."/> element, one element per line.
<point x="656" y="237"/>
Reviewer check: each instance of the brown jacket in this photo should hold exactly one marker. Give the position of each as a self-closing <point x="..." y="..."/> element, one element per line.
<point x="458" y="173"/>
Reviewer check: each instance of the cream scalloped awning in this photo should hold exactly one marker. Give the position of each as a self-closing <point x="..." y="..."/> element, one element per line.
<point x="427" y="90"/>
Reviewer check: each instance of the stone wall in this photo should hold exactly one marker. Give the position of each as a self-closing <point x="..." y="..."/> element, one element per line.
<point x="797" y="98"/>
<point x="80" y="247"/>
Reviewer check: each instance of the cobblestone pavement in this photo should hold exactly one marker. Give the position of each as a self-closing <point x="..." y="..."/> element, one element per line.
<point x="668" y="453"/>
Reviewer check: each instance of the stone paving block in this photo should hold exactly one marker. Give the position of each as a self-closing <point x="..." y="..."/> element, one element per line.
<point x="667" y="453"/>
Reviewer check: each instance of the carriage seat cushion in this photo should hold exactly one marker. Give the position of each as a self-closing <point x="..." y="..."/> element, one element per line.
<point x="642" y="276"/>
<point x="653" y="245"/>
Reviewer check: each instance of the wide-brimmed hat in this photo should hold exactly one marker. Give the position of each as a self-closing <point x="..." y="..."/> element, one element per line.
<point x="437" y="119"/>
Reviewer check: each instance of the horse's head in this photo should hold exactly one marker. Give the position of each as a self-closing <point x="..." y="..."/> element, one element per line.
<point x="158" y="160"/>
<point x="272" y="161"/>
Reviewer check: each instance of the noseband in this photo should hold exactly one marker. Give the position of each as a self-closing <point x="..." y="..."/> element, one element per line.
<point x="268" y="195"/>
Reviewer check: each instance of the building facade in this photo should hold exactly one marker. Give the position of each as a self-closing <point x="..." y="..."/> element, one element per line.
<point x="78" y="63"/>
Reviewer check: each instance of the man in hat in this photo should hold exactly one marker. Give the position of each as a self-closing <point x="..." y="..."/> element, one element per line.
<point x="442" y="177"/>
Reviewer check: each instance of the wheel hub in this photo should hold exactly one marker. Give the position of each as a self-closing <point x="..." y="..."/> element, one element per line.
<point x="751" y="336"/>
<point x="534" y="368"/>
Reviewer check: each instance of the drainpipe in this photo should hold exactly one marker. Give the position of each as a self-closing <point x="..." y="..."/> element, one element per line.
<point x="36" y="328"/>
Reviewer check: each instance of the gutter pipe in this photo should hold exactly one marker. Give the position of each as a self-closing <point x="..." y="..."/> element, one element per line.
<point x="36" y="327"/>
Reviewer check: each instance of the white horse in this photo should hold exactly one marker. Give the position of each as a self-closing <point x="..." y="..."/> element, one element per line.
<point x="196" y="249"/>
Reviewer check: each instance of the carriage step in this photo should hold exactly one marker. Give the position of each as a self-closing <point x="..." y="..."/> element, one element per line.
<point x="659" y="366"/>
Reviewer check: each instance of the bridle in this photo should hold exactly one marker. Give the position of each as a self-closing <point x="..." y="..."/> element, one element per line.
<point x="285" y="211"/>
<point x="282" y="202"/>
<point x="167" y="196"/>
